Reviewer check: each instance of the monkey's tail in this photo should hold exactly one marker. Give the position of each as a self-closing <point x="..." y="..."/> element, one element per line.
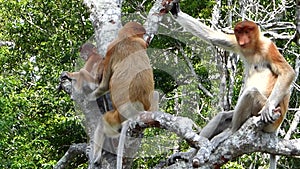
<point x="122" y="144"/>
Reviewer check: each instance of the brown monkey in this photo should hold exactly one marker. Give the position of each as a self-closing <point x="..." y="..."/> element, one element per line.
<point x="268" y="76"/>
<point x="128" y="76"/>
<point x="90" y="75"/>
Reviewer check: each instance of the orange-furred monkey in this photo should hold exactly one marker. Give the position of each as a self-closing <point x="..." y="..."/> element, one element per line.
<point x="90" y="75"/>
<point x="128" y="76"/>
<point x="268" y="76"/>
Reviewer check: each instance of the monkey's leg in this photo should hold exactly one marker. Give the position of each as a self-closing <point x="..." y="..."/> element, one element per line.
<point x="217" y="124"/>
<point x="81" y="77"/>
<point x="86" y="76"/>
<point x="67" y="75"/>
<point x="104" y="84"/>
<point x="249" y="104"/>
<point x="112" y="123"/>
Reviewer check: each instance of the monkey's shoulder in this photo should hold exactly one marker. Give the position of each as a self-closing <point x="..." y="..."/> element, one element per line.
<point x="129" y="44"/>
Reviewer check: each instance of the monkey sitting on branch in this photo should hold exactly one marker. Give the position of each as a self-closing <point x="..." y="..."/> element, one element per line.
<point x="268" y="76"/>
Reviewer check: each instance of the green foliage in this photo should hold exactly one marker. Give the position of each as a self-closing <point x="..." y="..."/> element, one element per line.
<point x="37" y="123"/>
<point x="197" y="9"/>
<point x="232" y="165"/>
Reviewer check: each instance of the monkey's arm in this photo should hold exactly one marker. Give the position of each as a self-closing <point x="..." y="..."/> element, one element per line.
<point x="104" y="84"/>
<point x="101" y="90"/>
<point x="285" y="76"/>
<point x="206" y="33"/>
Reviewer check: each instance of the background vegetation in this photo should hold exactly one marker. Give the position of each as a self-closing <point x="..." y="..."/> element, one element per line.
<point x="38" y="124"/>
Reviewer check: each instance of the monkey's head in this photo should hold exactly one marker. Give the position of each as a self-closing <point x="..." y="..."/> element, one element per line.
<point x="86" y="50"/>
<point x="247" y="34"/>
<point x="131" y="29"/>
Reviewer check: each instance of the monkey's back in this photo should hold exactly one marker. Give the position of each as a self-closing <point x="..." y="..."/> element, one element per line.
<point x="131" y="84"/>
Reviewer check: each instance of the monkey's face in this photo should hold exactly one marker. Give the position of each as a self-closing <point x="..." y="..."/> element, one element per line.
<point x="86" y="50"/>
<point x="246" y="33"/>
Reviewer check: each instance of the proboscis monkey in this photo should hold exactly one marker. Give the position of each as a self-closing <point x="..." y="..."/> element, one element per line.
<point x="128" y="76"/>
<point x="90" y="75"/>
<point x="268" y="76"/>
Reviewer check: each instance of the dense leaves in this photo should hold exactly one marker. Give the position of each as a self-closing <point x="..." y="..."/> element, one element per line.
<point x="38" y="124"/>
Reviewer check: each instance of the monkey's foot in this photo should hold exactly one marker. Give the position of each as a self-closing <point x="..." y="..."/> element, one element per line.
<point x="215" y="141"/>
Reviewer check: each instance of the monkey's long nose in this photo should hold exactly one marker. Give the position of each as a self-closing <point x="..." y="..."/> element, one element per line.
<point x="242" y="43"/>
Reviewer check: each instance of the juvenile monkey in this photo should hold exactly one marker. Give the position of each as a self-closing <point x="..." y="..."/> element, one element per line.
<point x="91" y="73"/>
<point x="128" y="75"/>
<point x="268" y="76"/>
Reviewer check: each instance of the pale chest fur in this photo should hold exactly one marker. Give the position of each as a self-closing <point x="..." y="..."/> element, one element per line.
<point x="259" y="76"/>
<point x="259" y="72"/>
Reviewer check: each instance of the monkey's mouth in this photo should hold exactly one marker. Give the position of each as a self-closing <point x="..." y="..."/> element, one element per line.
<point x="244" y="46"/>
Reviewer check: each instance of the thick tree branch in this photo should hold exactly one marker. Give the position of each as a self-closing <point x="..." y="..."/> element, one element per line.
<point x="248" y="139"/>
<point x="182" y="126"/>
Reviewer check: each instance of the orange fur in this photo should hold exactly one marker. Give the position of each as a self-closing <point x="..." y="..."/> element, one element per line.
<point x="268" y="70"/>
<point x="128" y="76"/>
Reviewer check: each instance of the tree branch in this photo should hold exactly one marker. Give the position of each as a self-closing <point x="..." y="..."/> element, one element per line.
<point x="248" y="139"/>
<point x="73" y="151"/>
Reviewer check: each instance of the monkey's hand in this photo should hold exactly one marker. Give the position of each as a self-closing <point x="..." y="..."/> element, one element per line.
<point x="270" y="113"/>
<point x="64" y="77"/>
<point x="172" y="6"/>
